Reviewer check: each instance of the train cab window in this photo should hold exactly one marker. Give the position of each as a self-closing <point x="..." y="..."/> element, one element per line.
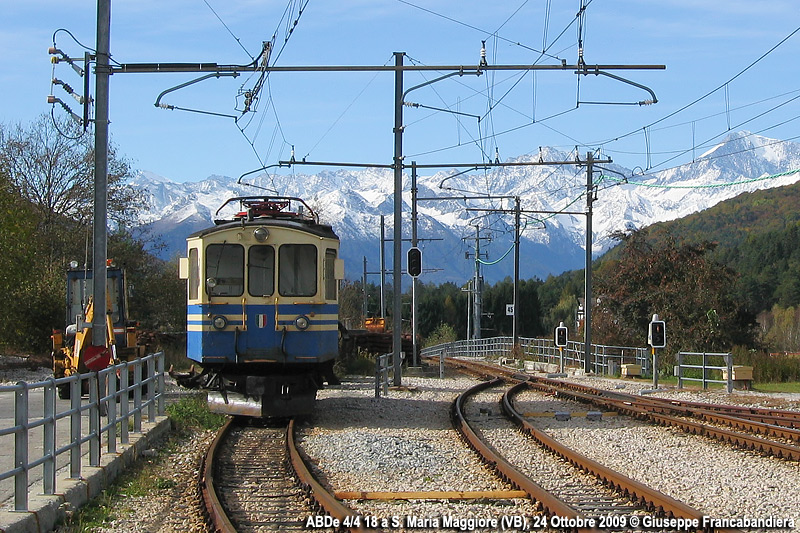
<point x="225" y="269"/>
<point x="194" y="274"/>
<point x="261" y="270"/>
<point x="81" y="289"/>
<point x="297" y="270"/>
<point x="330" y="274"/>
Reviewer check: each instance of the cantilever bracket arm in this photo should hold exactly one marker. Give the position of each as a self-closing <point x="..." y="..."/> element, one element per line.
<point x="471" y="169"/>
<point x="461" y="72"/>
<point x="277" y="165"/>
<point x="192" y="82"/>
<point x="596" y="72"/>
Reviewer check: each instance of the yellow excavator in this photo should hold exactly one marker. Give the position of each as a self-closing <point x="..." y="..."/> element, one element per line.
<point x="73" y="350"/>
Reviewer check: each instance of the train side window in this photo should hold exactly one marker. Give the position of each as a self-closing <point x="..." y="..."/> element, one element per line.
<point x="225" y="269"/>
<point x="194" y="273"/>
<point x="261" y="270"/>
<point x="330" y="274"/>
<point x="297" y="270"/>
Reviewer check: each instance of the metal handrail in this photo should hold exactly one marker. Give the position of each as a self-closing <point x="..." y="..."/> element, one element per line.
<point x="148" y="374"/>
<point x="544" y="350"/>
<point x="383" y="367"/>
<point x="705" y="367"/>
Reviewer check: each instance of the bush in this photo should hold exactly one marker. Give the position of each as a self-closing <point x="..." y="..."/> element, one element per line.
<point x="443" y="333"/>
<point x="769" y="368"/>
<point x="362" y="364"/>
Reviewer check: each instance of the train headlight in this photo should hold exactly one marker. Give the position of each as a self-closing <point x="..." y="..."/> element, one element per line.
<point x="302" y="322"/>
<point x="219" y="322"/>
<point x="261" y="234"/>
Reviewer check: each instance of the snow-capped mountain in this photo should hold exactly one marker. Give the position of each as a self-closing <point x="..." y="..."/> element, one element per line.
<point x="352" y="201"/>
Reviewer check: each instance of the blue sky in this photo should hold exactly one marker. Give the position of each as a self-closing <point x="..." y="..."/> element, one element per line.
<point x="349" y="116"/>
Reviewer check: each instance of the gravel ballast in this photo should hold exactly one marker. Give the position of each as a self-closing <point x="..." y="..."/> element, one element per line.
<point x="405" y="442"/>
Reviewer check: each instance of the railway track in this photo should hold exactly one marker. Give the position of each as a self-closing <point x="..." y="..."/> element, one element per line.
<point x="602" y="499"/>
<point x="729" y="424"/>
<point x="770" y="432"/>
<point x="591" y="492"/>
<point x="255" y="479"/>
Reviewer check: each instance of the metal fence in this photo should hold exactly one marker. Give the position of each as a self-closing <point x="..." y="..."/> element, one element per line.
<point x="383" y="367"/>
<point x="606" y="360"/>
<point x="704" y="363"/>
<point x="118" y="398"/>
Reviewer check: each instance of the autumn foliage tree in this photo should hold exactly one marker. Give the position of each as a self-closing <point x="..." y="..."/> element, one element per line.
<point x="655" y="273"/>
<point x="46" y="201"/>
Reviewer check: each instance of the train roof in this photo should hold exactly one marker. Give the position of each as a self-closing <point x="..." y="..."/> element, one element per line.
<point x="306" y="226"/>
<point x="274" y="211"/>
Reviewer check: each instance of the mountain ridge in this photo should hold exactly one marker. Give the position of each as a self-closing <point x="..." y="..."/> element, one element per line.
<point x="352" y="201"/>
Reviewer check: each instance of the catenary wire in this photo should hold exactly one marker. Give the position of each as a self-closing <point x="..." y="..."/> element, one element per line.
<point x="470" y="26"/>
<point x="709" y="93"/>
<point x="238" y="41"/>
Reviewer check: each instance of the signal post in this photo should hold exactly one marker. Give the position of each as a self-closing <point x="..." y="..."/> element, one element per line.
<point x="561" y="337"/>
<point x="656" y="338"/>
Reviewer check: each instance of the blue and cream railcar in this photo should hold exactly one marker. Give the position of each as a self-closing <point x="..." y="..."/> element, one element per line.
<point x="263" y="311"/>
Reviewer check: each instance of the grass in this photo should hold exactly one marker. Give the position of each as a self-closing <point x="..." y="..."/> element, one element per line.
<point x="789" y="386"/>
<point x="137" y="481"/>
<point x="188" y="414"/>
<point x="192" y="413"/>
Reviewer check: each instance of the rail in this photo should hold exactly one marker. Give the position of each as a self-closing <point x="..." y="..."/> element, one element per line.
<point x="685" y="360"/>
<point x="607" y="360"/>
<point x="118" y="397"/>
<point x="616" y="480"/>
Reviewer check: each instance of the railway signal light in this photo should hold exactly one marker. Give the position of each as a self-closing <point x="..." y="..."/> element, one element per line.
<point x="561" y="336"/>
<point x="657" y="334"/>
<point x="414" y="262"/>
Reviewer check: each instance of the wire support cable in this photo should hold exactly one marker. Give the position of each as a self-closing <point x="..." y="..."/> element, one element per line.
<point x="706" y="186"/>
<point x="709" y="93"/>
<point x="490" y="263"/>
<point x="481" y="30"/>
<point x="238" y="41"/>
<point x="708" y="141"/>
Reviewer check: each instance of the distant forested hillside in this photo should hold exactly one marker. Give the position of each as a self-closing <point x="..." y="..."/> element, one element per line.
<point x="752" y="241"/>
<point x="757" y="235"/>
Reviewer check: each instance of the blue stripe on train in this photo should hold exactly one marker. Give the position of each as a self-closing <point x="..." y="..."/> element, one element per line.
<point x="259" y="342"/>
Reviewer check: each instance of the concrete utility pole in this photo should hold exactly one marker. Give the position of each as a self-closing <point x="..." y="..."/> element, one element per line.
<point x="587" y="325"/>
<point x="414" y="278"/>
<point x="100" y="250"/>
<point x="364" y="287"/>
<point x="477" y="283"/>
<point x="515" y="318"/>
<point x="397" y="305"/>
<point x="383" y="267"/>
<point x="517" y="214"/>
<point x="591" y="193"/>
